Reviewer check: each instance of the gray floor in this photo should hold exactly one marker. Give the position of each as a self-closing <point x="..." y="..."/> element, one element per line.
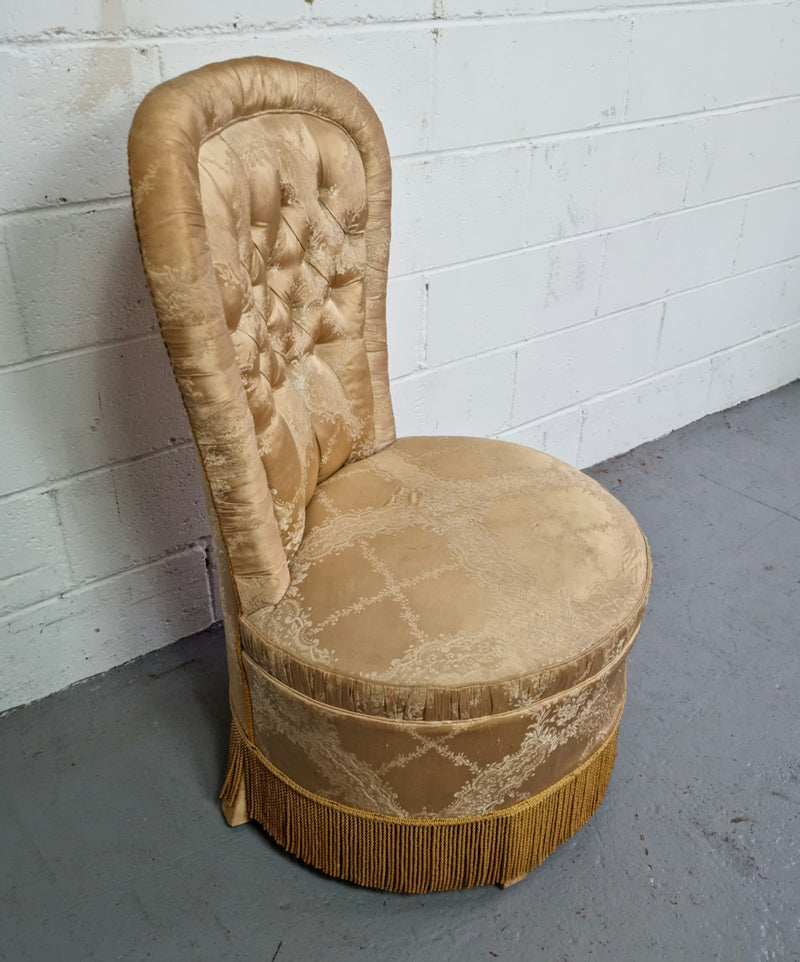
<point x="113" y="847"/>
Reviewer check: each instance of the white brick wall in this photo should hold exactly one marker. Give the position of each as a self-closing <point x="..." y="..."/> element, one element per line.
<point x="595" y="242"/>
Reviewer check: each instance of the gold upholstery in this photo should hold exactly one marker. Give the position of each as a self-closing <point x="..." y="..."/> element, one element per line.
<point x="452" y="578"/>
<point x="262" y="200"/>
<point x="426" y="636"/>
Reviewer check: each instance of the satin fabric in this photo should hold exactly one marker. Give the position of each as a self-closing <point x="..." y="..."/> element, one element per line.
<point x="415" y="627"/>
<point x="261" y="192"/>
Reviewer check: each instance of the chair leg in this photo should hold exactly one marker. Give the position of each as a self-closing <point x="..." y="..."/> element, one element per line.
<point x="513" y="881"/>
<point x="235" y="812"/>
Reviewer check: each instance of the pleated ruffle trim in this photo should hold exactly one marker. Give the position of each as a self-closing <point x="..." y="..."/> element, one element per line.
<point x="412" y="854"/>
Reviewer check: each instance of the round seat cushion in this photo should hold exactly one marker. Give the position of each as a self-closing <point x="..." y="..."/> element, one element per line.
<point x="454" y="578"/>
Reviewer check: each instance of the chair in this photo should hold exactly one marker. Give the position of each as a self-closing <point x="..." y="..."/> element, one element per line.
<point x="426" y="637"/>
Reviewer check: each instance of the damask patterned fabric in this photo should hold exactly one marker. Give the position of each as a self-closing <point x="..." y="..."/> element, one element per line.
<point x="285" y="206"/>
<point x="448" y="578"/>
<point x="454" y="636"/>
<point x="445" y="769"/>
<point x="261" y="191"/>
<point x="429" y="629"/>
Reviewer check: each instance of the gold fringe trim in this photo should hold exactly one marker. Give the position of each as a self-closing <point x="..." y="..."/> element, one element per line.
<point x="415" y="854"/>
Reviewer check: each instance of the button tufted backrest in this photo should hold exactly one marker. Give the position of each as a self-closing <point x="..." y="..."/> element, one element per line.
<point x="261" y="191"/>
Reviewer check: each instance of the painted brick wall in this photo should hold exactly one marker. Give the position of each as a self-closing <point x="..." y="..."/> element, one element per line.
<point x="596" y="241"/>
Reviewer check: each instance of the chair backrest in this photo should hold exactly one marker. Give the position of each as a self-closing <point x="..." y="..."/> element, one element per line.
<point x="261" y="192"/>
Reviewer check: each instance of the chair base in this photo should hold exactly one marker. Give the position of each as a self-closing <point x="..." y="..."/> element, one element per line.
<point x="513" y="881"/>
<point x="235" y="811"/>
<point x="412" y="854"/>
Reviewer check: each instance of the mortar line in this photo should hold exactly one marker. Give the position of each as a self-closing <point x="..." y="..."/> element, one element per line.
<point x="56" y="356"/>
<point x="598" y="130"/>
<point x="91" y="584"/>
<point x="310" y="26"/>
<point x="573" y="328"/>
<point x="55" y="485"/>
<point x="696" y="362"/>
<point x="118" y="201"/>
<point x="567" y="409"/>
<point x="52" y="495"/>
<point x="590" y="235"/>
<point x="114" y="202"/>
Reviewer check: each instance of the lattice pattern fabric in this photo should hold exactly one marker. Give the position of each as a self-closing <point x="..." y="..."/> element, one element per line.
<point x="452" y="578"/>
<point x="427" y="637"/>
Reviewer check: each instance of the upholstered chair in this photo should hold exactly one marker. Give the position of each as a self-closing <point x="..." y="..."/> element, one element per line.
<point x="426" y="636"/>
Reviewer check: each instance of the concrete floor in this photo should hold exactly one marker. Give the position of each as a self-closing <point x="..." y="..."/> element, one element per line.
<point x="113" y="847"/>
